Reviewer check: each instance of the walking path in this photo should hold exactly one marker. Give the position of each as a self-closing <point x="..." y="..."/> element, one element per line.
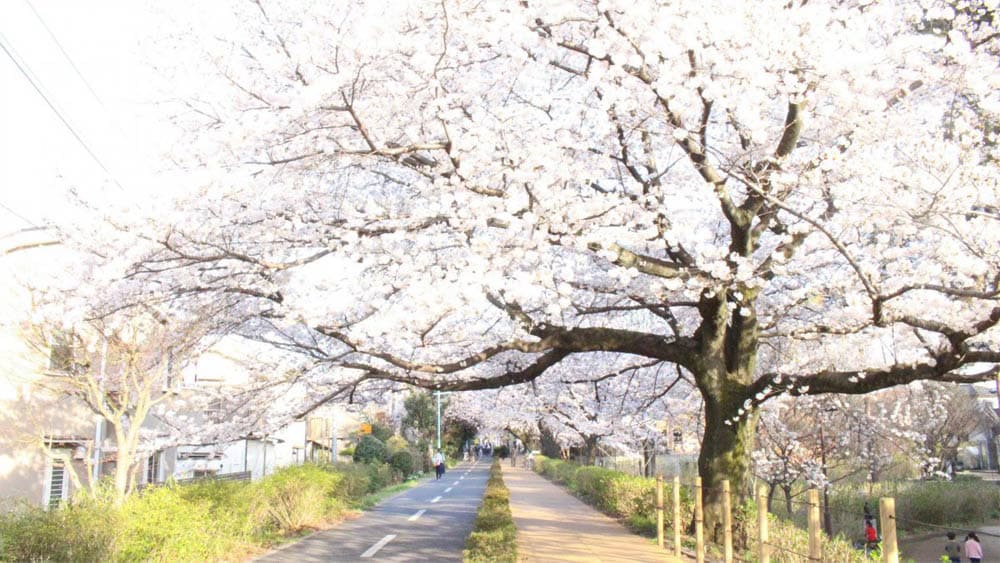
<point x="553" y="525"/>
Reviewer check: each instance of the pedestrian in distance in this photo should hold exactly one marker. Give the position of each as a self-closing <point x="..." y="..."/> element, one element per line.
<point x="438" y="461"/>
<point x="973" y="548"/>
<point x="952" y="549"/>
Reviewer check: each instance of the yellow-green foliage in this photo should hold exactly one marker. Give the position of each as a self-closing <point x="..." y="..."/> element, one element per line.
<point x="209" y="520"/>
<point x="86" y="531"/>
<point x="163" y="525"/>
<point x="494" y="538"/>
<point x="296" y="497"/>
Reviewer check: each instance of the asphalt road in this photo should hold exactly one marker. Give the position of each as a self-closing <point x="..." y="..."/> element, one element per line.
<point x="426" y="523"/>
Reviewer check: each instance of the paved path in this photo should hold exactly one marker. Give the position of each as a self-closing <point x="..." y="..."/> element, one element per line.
<point x="426" y="523"/>
<point x="553" y="525"/>
<point x="929" y="547"/>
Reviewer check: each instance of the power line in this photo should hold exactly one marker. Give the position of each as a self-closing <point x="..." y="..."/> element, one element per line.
<point x="19" y="216"/>
<point x="23" y="67"/>
<point x="65" y="54"/>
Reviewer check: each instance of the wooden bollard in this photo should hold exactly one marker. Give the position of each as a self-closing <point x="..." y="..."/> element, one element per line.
<point x="659" y="510"/>
<point x="677" y="516"/>
<point x="815" y="531"/>
<point x="699" y="523"/>
<point x="763" y="550"/>
<point x="887" y="519"/>
<point x="727" y="522"/>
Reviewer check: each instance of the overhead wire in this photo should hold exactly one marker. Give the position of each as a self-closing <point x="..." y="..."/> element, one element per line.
<point x="65" y="54"/>
<point x="25" y="70"/>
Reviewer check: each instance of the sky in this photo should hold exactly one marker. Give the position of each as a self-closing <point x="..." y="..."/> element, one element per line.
<point x="105" y="98"/>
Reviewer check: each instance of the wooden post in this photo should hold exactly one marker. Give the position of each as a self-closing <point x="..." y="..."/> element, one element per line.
<point x="727" y="522"/>
<point x="659" y="510"/>
<point x="677" y="516"/>
<point x="815" y="531"/>
<point x="763" y="550"/>
<point x="887" y="520"/>
<point x="699" y="523"/>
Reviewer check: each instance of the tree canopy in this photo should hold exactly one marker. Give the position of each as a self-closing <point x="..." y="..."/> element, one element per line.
<point x="760" y="198"/>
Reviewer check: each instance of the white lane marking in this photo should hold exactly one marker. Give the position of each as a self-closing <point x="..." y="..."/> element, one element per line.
<point x="381" y="543"/>
<point x="461" y="478"/>
<point x="435" y="500"/>
<point x="417" y="515"/>
<point x="448" y="490"/>
<point x="455" y="483"/>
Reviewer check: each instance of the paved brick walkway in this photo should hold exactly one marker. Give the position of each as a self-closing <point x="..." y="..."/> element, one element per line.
<point x="553" y="525"/>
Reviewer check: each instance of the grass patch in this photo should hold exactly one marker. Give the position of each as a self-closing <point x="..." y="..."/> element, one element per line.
<point x="493" y="538"/>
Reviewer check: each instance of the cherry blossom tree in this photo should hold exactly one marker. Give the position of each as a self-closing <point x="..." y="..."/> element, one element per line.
<point x="771" y="197"/>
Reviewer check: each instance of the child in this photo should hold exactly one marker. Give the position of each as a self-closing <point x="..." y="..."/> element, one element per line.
<point x="973" y="549"/>
<point x="952" y="549"/>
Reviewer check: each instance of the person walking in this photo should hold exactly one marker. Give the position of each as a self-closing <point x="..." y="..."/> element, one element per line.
<point x="973" y="548"/>
<point x="952" y="549"/>
<point x="438" y="461"/>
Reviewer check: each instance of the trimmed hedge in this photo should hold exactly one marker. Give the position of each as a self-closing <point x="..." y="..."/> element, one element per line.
<point x="208" y="520"/>
<point x="493" y="537"/>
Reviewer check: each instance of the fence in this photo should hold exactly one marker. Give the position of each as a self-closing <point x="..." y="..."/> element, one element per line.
<point x="663" y="464"/>
<point x="763" y="547"/>
<point x="240" y="476"/>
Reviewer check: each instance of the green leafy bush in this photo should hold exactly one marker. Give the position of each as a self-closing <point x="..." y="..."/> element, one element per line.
<point x="354" y="483"/>
<point x="402" y="462"/>
<point x="379" y="476"/>
<point x="370" y="450"/>
<point x="296" y="497"/>
<point x="208" y="520"/>
<point x="493" y="537"/>
<point x="162" y="525"/>
<point x="85" y="531"/>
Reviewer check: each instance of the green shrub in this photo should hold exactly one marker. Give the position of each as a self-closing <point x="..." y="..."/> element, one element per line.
<point x="493" y="537"/>
<point x="396" y="444"/>
<point x="84" y="531"/>
<point x="379" y="476"/>
<point x="370" y="450"/>
<point x="162" y="525"/>
<point x="230" y="505"/>
<point x="402" y="462"/>
<point x="355" y="481"/>
<point x="297" y="497"/>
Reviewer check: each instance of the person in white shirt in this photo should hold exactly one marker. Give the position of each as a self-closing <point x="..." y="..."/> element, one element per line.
<point x="438" y="461"/>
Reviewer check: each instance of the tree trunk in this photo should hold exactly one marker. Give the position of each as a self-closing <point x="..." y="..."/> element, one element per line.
<point x="725" y="454"/>
<point x="590" y="449"/>
<point x="788" y="499"/>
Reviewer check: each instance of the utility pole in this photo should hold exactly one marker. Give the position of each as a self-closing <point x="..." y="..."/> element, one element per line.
<point x="438" y="395"/>
<point x="333" y="435"/>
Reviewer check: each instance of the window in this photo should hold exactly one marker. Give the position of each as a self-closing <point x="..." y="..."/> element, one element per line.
<point x="57" y="484"/>
<point x="216" y="411"/>
<point x="678" y="438"/>
<point x="61" y="352"/>
<point x="153" y="468"/>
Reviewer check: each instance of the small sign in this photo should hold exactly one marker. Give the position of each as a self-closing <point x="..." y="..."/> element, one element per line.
<point x="365" y="428"/>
